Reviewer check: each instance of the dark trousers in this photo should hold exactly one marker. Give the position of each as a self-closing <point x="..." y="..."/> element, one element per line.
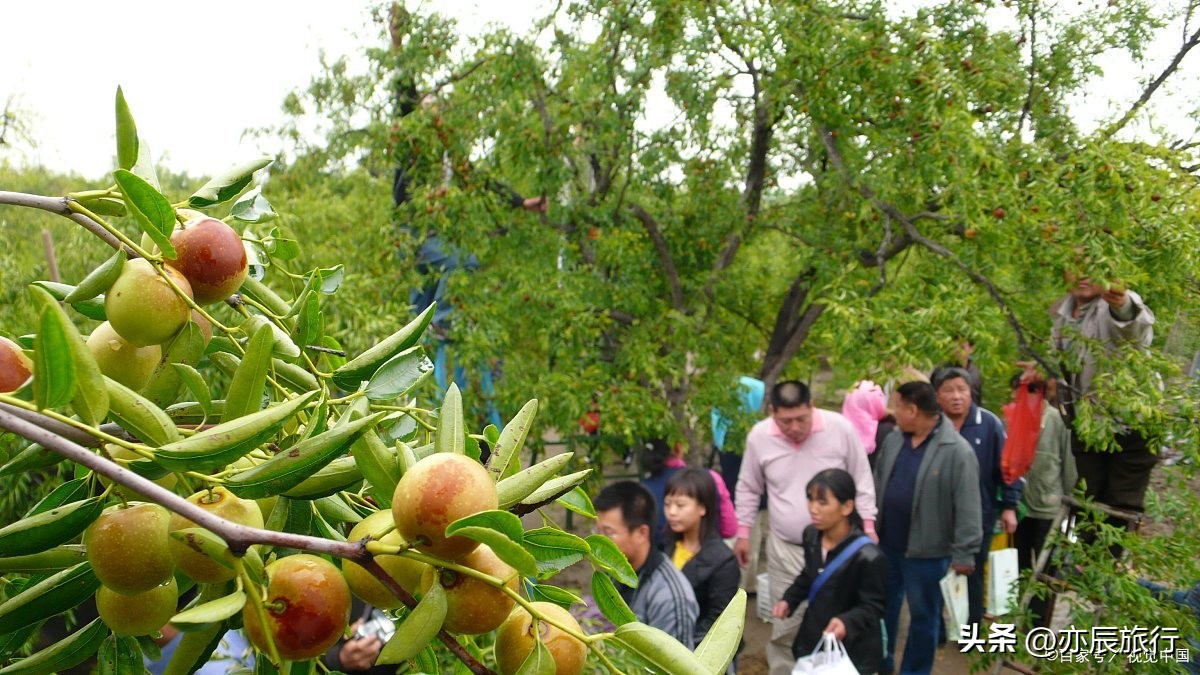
<point x="975" y="582"/>
<point x="1029" y="538"/>
<point x="918" y="579"/>
<point x="1117" y="479"/>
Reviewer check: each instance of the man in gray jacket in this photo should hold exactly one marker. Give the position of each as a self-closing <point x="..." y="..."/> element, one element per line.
<point x="927" y="490"/>
<point x="664" y="597"/>
<point x="1094" y="319"/>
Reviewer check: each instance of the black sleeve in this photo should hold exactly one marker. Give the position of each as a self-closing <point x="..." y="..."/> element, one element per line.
<point x="722" y="586"/>
<point x="872" y="596"/>
<point x="505" y="193"/>
<point x="798" y="591"/>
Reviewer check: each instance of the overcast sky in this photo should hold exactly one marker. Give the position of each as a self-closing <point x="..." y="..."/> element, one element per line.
<point x="195" y="79"/>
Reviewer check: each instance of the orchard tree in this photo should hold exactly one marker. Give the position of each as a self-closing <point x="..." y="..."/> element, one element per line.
<point x="234" y="465"/>
<point x="761" y="188"/>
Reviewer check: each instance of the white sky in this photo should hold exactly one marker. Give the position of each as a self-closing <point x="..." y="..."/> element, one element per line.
<point x="196" y="80"/>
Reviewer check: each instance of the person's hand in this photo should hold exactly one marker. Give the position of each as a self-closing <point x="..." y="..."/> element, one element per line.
<point x="360" y="653"/>
<point x="963" y="570"/>
<point x="536" y="204"/>
<point x="1114" y="294"/>
<point x="1008" y="521"/>
<point x="1029" y="371"/>
<point x="781" y="610"/>
<point x="836" y="627"/>
<point x="741" y="551"/>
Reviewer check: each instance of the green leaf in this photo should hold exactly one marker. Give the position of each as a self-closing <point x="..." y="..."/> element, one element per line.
<point x="400" y="375"/>
<point x="379" y="465"/>
<point x="127" y="138"/>
<point x="228" y="185"/>
<point x="185" y="348"/>
<point x="661" y="651"/>
<point x="554" y="594"/>
<point x="520" y="485"/>
<point x="417" y="629"/>
<point x="252" y="207"/>
<point x="48" y="529"/>
<point x="245" y="392"/>
<point x="554" y="550"/>
<point x="308" y="322"/>
<point x="721" y="642"/>
<point x="210" y="612"/>
<point x="500" y="530"/>
<point x="151" y="209"/>
<point x="609" y="600"/>
<point x="539" y="661"/>
<point x="92" y="309"/>
<point x="51" y="596"/>
<point x="451" y="432"/>
<point x="71" y="491"/>
<point x="555" y="486"/>
<point x="605" y="555"/>
<point x="53" y="372"/>
<point x="98" y="280"/>
<point x="144" y="168"/>
<point x="512" y="439"/>
<point x="90" y="396"/>
<point x="427" y="660"/>
<point x="331" y="278"/>
<point x="120" y="655"/>
<point x="66" y="653"/>
<point x="53" y="560"/>
<point x="206" y="544"/>
<point x="578" y="501"/>
<point x="195" y="384"/>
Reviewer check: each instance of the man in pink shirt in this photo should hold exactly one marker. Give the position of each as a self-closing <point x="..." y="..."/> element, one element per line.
<point x="783" y="452"/>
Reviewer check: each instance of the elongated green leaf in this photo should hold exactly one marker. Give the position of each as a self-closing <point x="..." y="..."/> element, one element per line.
<point x="12" y="643"/>
<point x="554" y="594"/>
<point x="98" y="280"/>
<point x="245" y="392"/>
<point x="53" y="560"/>
<point x="556" y="486"/>
<point x="539" y="661"/>
<point x="512" y="439"/>
<point x="336" y="476"/>
<point x="90" y="397"/>
<point x="400" y="375"/>
<point x="605" y="555"/>
<point x="501" y="531"/>
<point x="451" y="431"/>
<point x="139" y="416"/>
<point x="207" y="544"/>
<point x="661" y="651"/>
<point x="721" y="642"/>
<point x="185" y="348"/>
<point x="49" y="528"/>
<point x="150" y="208"/>
<point x="120" y="655"/>
<point x="195" y="384"/>
<point x="554" y="550"/>
<point x="308" y="322"/>
<point x="67" y="653"/>
<point x="227" y="185"/>
<point x="53" y="595"/>
<point x="92" y="309"/>
<point x="252" y="207"/>
<point x="520" y="485"/>
<point x="211" y="612"/>
<point x="379" y="465"/>
<point x="29" y="458"/>
<point x="417" y="629"/>
<point x="577" y="500"/>
<point x="73" y="490"/>
<point x="127" y="138"/>
<point x="609" y="600"/>
<point x="53" y="373"/>
<point x="335" y="510"/>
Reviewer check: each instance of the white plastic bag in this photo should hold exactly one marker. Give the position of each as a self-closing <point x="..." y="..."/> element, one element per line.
<point x="954" y="596"/>
<point x="1002" y="574"/>
<point x="829" y="658"/>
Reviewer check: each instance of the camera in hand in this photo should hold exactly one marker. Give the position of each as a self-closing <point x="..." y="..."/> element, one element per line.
<point x="379" y="625"/>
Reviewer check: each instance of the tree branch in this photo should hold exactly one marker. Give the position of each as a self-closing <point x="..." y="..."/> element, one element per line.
<point x="1186" y="47"/>
<point x="1027" y="107"/>
<point x="59" y="206"/>
<point x="664" y="255"/>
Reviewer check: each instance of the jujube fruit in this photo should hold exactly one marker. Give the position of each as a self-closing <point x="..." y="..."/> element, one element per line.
<point x="15" y="367"/>
<point x="130" y="365"/>
<point x="210" y="254"/>
<point x="307" y="607"/>
<point x="474" y="606"/>
<point x="142" y="613"/>
<point x="437" y="491"/>
<point x="515" y="640"/>
<point x="405" y="571"/>
<point x="221" y="502"/>
<point x="127" y="547"/>
<point x="143" y="308"/>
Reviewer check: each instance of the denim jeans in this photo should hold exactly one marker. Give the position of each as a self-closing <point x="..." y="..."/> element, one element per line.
<point x="920" y="580"/>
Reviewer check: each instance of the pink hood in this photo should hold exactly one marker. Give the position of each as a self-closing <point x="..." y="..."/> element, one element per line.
<point x="864" y="406"/>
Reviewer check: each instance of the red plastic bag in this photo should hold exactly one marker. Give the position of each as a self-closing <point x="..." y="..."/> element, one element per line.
<point x="1024" y="420"/>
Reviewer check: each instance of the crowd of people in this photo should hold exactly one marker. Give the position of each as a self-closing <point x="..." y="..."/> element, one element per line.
<point x="869" y="509"/>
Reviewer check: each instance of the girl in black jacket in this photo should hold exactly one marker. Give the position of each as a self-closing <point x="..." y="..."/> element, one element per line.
<point x="695" y="546"/>
<point x="850" y="601"/>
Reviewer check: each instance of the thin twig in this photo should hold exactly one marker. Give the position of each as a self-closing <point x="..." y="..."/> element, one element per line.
<point x="1186" y="47"/>
<point x="664" y="255"/>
